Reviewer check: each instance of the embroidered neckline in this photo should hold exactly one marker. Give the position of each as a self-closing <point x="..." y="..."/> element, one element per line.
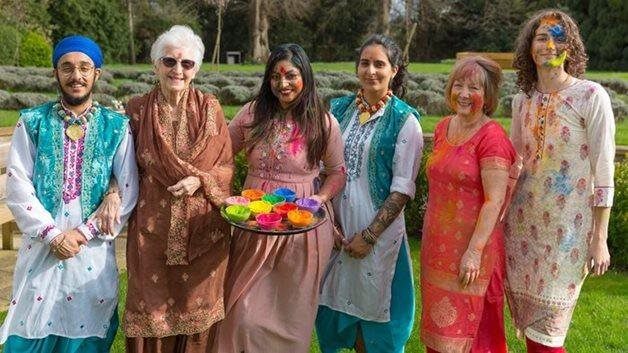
<point x="70" y="118"/>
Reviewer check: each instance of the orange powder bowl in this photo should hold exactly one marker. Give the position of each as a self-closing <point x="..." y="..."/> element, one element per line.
<point x="300" y="218"/>
<point x="253" y="194"/>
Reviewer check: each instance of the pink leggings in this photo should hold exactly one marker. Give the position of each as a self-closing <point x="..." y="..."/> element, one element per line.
<point x="535" y="347"/>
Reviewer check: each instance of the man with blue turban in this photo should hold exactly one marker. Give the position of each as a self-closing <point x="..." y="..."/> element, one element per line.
<point x="62" y="156"/>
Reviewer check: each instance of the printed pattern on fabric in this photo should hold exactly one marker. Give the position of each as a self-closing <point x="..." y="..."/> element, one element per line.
<point x="549" y="224"/>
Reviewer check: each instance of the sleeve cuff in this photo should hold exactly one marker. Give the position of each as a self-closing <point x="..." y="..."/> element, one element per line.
<point x="603" y="196"/>
<point x="49" y="233"/>
<point x="89" y="230"/>
<point x="403" y="185"/>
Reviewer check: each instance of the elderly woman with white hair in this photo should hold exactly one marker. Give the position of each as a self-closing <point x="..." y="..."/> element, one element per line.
<point x="177" y="245"/>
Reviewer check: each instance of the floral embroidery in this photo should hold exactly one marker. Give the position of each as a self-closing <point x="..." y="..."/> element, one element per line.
<point x="72" y="166"/>
<point x="354" y="146"/>
<point x="443" y="313"/>
<point x="44" y="233"/>
<point x="139" y="324"/>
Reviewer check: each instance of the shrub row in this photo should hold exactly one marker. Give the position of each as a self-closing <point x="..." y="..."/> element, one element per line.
<point x="425" y="91"/>
<point x="25" y="49"/>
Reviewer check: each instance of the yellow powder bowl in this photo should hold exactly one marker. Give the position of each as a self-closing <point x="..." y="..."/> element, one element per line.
<point x="300" y="218"/>
<point x="259" y="207"/>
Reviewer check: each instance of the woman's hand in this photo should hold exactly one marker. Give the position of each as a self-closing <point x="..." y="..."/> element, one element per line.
<point x="469" y="266"/>
<point x="598" y="258"/>
<point x="357" y="248"/>
<point x="108" y="214"/>
<point x="339" y="237"/>
<point x="186" y="186"/>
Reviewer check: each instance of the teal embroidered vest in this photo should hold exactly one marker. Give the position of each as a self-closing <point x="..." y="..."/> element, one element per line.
<point x="45" y="129"/>
<point x="382" y="150"/>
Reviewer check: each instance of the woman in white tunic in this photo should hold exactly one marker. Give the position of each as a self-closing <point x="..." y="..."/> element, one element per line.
<point x="367" y="299"/>
<point x="556" y="229"/>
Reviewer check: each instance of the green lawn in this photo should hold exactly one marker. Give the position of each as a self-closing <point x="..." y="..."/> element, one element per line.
<point x="598" y="325"/>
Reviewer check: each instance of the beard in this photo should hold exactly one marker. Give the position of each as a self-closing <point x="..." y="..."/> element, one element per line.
<point x="72" y="100"/>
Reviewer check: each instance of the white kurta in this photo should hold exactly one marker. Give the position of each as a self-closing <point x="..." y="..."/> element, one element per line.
<point x="362" y="287"/>
<point x="73" y="298"/>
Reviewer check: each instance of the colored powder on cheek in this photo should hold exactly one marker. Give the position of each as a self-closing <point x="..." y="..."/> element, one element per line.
<point x="477" y="102"/>
<point x="298" y="84"/>
<point x="454" y="100"/>
<point x="557" y="61"/>
<point x="550" y="44"/>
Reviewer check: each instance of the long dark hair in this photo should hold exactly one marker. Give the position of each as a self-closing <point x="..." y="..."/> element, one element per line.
<point x="577" y="58"/>
<point x="395" y="57"/>
<point x="307" y="109"/>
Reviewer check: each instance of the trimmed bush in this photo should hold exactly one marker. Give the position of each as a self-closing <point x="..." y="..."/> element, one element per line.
<point x="133" y="88"/>
<point x="433" y="84"/>
<point x="126" y="74"/>
<point x="9" y="50"/>
<point x="234" y="95"/>
<point x="617" y="85"/>
<point x="505" y="106"/>
<point x="104" y="87"/>
<point x="322" y="81"/>
<point x="348" y="83"/>
<point x="108" y="101"/>
<point x="220" y="80"/>
<point x="147" y="77"/>
<point x="35" y="51"/>
<point x="23" y="100"/>
<point x="106" y="75"/>
<point x="327" y="94"/>
<point x="4" y="98"/>
<point x="618" y="224"/>
<point x="208" y="88"/>
<point x="411" y="85"/>
<point x="247" y="81"/>
<point x="9" y="81"/>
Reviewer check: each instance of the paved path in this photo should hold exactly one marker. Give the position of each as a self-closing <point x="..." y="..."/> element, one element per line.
<point x="7" y="263"/>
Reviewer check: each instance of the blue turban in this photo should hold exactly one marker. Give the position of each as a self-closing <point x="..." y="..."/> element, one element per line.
<point x="79" y="44"/>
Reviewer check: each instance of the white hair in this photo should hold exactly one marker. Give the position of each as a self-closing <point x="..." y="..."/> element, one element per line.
<point x="178" y="37"/>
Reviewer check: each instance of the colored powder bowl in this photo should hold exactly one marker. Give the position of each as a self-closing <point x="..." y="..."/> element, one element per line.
<point x="300" y="218"/>
<point x="238" y="213"/>
<point x="258" y="207"/>
<point x="289" y="194"/>
<point x="268" y="220"/>
<point x="273" y="199"/>
<point x="237" y="200"/>
<point x="284" y="208"/>
<point x="308" y="204"/>
<point x="253" y="194"/>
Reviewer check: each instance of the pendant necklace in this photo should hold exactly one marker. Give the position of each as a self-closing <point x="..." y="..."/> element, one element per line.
<point x="365" y="110"/>
<point x="74" y="123"/>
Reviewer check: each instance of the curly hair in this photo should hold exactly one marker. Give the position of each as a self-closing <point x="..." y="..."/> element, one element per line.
<point x="577" y="58"/>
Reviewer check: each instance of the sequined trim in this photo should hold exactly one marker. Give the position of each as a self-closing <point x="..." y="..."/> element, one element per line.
<point x="170" y="323"/>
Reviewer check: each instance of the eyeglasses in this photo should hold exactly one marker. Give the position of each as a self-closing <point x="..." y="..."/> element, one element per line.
<point x="170" y="62"/>
<point x="68" y="70"/>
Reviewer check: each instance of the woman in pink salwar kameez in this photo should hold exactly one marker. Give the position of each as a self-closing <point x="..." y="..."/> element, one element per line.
<point x="272" y="285"/>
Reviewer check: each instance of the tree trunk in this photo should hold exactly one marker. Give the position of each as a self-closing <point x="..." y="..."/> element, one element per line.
<point x="129" y="4"/>
<point x="216" y="53"/>
<point x="259" y="31"/>
<point x="384" y="18"/>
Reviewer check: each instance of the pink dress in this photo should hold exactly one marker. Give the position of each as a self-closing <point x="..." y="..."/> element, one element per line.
<point x="272" y="283"/>
<point x="451" y="314"/>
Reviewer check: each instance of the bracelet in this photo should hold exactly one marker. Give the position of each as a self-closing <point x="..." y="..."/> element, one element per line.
<point x="368" y="236"/>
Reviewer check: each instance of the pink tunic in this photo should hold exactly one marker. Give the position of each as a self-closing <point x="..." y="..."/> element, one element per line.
<point x="451" y="314"/>
<point x="272" y="283"/>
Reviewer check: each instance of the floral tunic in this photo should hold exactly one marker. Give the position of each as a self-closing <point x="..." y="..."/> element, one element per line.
<point x="73" y="298"/>
<point x="566" y="140"/>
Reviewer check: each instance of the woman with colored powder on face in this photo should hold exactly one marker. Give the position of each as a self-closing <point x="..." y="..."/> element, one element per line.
<point x="462" y="248"/>
<point x="556" y="229"/>
<point x="367" y="299"/>
<point x="272" y="283"/>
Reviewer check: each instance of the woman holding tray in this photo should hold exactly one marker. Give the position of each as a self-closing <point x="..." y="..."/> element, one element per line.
<point x="272" y="284"/>
<point x="367" y="299"/>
